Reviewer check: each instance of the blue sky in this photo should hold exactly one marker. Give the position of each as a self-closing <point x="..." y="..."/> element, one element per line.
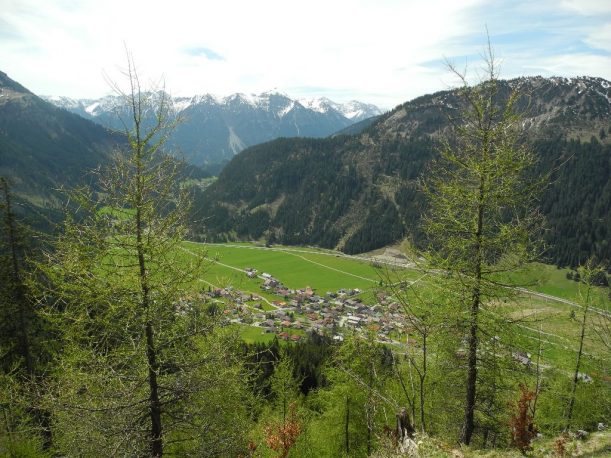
<point x="379" y="51"/>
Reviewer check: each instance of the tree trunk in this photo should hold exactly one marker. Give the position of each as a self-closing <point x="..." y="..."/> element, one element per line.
<point x="569" y="415"/>
<point x="469" y="423"/>
<point x="154" y="404"/>
<point x="422" y="380"/>
<point x="538" y="383"/>
<point x="156" y="439"/>
<point x="346" y="436"/>
<point x="370" y="410"/>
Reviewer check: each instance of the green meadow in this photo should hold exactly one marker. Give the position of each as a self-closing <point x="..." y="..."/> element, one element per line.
<point x="551" y="280"/>
<point x="295" y="267"/>
<point x="251" y="335"/>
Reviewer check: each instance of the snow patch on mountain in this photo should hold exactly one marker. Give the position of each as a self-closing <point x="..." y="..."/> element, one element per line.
<point x="282" y="112"/>
<point x="91" y="108"/>
<point x="182" y="103"/>
<point x="320" y="104"/>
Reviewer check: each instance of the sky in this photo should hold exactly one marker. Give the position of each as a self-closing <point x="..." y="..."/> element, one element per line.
<point x="377" y="51"/>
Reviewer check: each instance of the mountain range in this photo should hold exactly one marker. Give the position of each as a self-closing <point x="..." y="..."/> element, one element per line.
<point x="354" y="191"/>
<point x="214" y="129"/>
<point x="359" y="192"/>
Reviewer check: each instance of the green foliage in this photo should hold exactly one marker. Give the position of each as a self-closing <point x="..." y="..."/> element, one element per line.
<point x="309" y="358"/>
<point x="143" y="365"/>
<point x="353" y="409"/>
<point x="27" y="340"/>
<point x="284" y="386"/>
<point x="21" y="432"/>
<point x="206" y="403"/>
<point x="588" y="274"/>
<point x="591" y="403"/>
<point x="481" y="219"/>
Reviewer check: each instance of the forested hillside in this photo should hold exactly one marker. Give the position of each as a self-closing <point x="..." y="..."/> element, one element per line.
<point x="44" y="148"/>
<point x="357" y="193"/>
<point x="577" y="200"/>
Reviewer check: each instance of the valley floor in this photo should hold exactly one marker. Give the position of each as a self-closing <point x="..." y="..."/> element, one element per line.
<point x="289" y="291"/>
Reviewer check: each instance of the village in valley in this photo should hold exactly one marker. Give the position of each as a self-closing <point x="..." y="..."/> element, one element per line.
<point x="297" y="311"/>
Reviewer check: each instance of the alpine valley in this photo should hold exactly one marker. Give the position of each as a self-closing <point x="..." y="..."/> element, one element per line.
<point x="355" y="191"/>
<point x="121" y="333"/>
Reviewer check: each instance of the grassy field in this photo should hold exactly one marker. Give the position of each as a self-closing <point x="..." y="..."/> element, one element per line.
<point x="325" y="270"/>
<point x="294" y="267"/>
<point x="550" y="280"/>
<point x="251" y="334"/>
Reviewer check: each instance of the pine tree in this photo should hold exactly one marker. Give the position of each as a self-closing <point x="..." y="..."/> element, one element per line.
<point x="16" y="308"/>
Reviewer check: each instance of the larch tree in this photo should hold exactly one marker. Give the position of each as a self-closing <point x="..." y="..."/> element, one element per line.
<point x="144" y="370"/>
<point x="587" y="274"/>
<point x="482" y="219"/>
<point x="425" y="315"/>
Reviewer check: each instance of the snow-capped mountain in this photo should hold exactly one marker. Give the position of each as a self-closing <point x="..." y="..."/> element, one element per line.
<point x="353" y="110"/>
<point x="215" y="128"/>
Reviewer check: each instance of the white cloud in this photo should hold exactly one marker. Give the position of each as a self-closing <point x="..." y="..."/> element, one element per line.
<point x="373" y="50"/>
<point x="587" y="7"/>
<point x="574" y="65"/>
<point x="600" y="38"/>
<point x="338" y="45"/>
